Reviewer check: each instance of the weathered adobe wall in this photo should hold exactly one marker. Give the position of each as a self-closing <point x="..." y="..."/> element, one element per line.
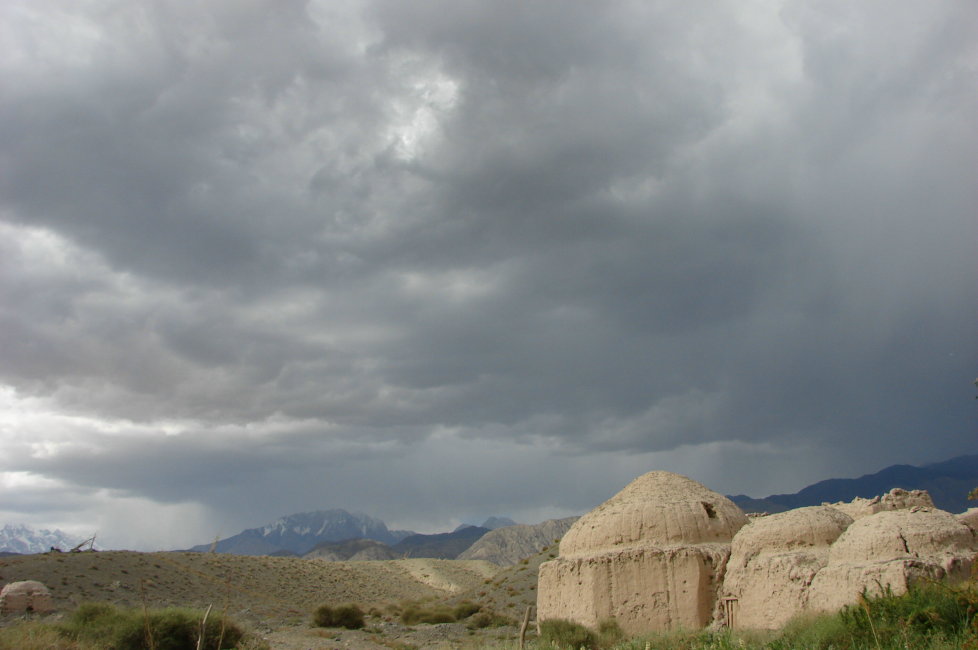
<point x="643" y="589"/>
<point x="667" y="552"/>
<point x="774" y="560"/>
<point x="895" y="499"/>
<point x="26" y="595"/>
<point x="774" y="574"/>
<point x="970" y="518"/>
<point x="895" y="549"/>
<point x="651" y="557"/>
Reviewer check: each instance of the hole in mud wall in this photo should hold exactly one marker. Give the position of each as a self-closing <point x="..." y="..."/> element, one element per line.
<point x="710" y="512"/>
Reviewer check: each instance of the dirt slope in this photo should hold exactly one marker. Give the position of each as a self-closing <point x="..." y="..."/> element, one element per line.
<point x="260" y="589"/>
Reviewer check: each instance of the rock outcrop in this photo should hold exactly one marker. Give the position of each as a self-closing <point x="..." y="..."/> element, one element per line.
<point x="652" y="557"/>
<point x="508" y="545"/>
<point x="666" y="553"/>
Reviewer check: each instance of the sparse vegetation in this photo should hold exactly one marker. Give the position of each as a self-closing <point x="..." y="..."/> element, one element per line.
<point x="567" y="635"/>
<point x="101" y="626"/>
<point x="928" y="617"/>
<point x="348" y="616"/>
<point x="488" y="618"/>
<point x="465" y="609"/>
<point x="417" y="613"/>
<point x="165" y="629"/>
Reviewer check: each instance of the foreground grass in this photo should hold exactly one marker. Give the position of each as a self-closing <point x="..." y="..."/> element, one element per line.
<point x="930" y="616"/>
<point x="101" y="626"/>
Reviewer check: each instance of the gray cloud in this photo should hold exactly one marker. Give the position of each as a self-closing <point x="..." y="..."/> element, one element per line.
<point x="260" y="257"/>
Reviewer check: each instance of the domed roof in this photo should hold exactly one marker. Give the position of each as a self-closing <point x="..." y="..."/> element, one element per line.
<point x="924" y="533"/>
<point x="814" y="526"/>
<point x="656" y="509"/>
<point x="24" y="587"/>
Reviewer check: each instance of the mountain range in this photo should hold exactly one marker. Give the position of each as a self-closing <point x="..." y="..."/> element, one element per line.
<point x="441" y="546"/>
<point x="948" y="483"/>
<point x="340" y="535"/>
<point x="297" y="534"/>
<point x="25" y="540"/>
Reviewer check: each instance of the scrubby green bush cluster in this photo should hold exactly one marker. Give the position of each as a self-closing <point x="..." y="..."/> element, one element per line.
<point x="567" y="635"/>
<point x="413" y="613"/>
<point x="487" y="618"/>
<point x="349" y="616"/>
<point x="930" y="615"/>
<point x="103" y="625"/>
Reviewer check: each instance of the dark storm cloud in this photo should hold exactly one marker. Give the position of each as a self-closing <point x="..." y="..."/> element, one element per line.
<point x="247" y="241"/>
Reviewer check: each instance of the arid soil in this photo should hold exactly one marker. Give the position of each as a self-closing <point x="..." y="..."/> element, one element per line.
<point x="275" y="597"/>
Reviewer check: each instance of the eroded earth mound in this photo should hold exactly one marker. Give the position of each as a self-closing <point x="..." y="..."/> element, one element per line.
<point x="668" y="553"/>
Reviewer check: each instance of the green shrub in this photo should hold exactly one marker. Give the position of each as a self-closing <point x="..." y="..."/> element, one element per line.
<point x="610" y="633"/>
<point x="349" y="616"/>
<point x="414" y="614"/>
<point x="566" y="635"/>
<point x="32" y="635"/>
<point x="130" y="629"/>
<point x="926" y="610"/>
<point x="465" y="609"/>
<point x="484" y="619"/>
<point x="930" y="615"/>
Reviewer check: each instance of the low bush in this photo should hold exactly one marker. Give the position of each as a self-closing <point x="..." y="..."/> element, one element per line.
<point x="610" y="633"/>
<point x="465" y="609"/>
<point x="349" y="616"/>
<point x="566" y="635"/>
<point x="414" y="614"/>
<point x="31" y="635"/>
<point x="105" y="625"/>
<point x="484" y="619"/>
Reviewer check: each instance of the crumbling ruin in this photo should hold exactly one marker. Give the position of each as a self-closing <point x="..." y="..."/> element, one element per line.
<point x="24" y="597"/>
<point x="651" y="557"/>
<point x="668" y="553"/>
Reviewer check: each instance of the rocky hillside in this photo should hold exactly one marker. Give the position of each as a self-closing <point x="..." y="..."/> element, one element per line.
<point x="446" y="546"/>
<point x="252" y="589"/>
<point x="299" y="533"/>
<point x="507" y="546"/>
<point x="948" y="483"/>
<point x="353" y="550"/>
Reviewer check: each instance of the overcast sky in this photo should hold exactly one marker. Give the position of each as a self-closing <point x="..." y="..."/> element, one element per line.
<point x="439" y="260"/>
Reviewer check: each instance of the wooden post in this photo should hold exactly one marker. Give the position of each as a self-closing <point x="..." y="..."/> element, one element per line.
<point x="526" y="623"/>
<point x="203" y="628"/>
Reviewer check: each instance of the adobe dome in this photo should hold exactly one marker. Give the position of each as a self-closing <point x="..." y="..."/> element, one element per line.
<point x="814" y="526"/>
<point x="922" y="533"/>
<point x="25" y="596"/>
<point x="656" y="509"/>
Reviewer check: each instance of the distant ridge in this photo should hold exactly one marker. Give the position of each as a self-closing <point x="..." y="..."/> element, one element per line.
<point x="508" y="545"/>
<point x="297" y="534"/>
<point x="441" y="546"/>
<point x="492" y="523"/>
<point x="948" y="483"/>
<point x="351" y="550"/>
<point x="444" y="546"/>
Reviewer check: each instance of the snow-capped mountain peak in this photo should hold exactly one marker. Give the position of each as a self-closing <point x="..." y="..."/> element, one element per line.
<point x="26" y="540"/>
